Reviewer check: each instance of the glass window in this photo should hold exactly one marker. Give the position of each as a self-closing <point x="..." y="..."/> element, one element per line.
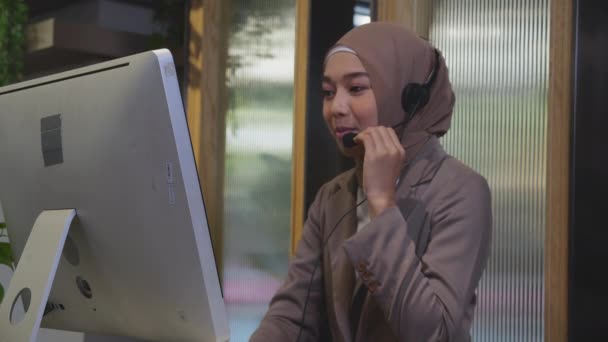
<point x="497" y="52"/>
<point x="260" y="79"/>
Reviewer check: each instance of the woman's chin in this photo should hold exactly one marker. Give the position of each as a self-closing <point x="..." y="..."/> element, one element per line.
<point x="351" y="152"/>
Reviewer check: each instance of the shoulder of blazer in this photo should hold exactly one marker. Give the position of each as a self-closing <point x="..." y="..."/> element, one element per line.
<point x="456" y="181"/>
<point x="346" y="180"/>
<point x="455" y="173"/>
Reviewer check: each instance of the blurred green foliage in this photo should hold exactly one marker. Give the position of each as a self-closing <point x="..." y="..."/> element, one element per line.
<point x="6" y="255"/>
<point x="254" y="18"/>
<point x="258" y="204"/>
<point x="251" y="23"/>
<point x="13" y="18"/>
<point x="273" y="100"/>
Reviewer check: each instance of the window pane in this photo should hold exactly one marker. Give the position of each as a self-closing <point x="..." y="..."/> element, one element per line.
<point x="258" y="158"/>
<point x="497" y="52"/>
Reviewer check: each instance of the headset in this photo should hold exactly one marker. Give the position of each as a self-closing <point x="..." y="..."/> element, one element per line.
<point x="413" y="97"/>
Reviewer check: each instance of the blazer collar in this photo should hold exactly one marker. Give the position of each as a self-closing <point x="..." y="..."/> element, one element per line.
<point x="421" y="169"/>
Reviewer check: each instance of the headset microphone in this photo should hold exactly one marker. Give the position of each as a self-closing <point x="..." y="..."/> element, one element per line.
<point x="348" y="139"/>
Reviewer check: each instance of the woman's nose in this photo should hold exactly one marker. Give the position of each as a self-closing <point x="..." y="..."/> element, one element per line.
<point x="339" y="105"/>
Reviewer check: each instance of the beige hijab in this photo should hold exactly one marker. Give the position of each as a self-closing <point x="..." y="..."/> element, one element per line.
<point x="394" y="56"/>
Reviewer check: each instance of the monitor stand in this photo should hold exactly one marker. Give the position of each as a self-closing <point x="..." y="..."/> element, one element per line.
<point x="34" y="275"/>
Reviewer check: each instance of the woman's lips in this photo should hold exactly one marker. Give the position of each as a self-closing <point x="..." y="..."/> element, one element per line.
<point x="341" y="131"/>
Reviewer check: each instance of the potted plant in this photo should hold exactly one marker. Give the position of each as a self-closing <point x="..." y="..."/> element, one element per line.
<point x="13" y="18"/>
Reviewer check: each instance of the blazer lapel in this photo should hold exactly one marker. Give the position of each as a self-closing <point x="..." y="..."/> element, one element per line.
<point x="420" y="171"/>
<point x="342" y="272"/>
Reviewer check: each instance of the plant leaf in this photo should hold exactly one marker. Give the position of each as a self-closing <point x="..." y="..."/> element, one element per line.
<point x="6" y="256"/>
<point x="1" y="293"/>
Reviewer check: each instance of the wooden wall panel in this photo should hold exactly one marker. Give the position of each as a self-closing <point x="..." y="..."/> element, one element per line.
<point x="207" y="104"/>
<point x="415" y="14"/>
<point x="299" y="122"/>
<point x="558" y="163"/>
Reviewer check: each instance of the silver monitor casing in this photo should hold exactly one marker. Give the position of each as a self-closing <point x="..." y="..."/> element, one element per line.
<point x="141" y="238"/>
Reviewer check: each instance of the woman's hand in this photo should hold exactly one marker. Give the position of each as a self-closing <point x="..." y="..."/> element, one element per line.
<point x="382" y="163"/>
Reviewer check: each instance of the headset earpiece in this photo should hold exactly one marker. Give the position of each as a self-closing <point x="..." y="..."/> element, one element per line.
<point x="415" y="95"/>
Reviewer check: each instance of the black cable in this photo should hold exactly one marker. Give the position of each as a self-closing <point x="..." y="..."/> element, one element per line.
<point x="314" y="270"/>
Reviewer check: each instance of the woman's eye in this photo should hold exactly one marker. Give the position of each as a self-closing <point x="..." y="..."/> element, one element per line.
<point x="327" y="93"/>
<point x="357" y="89"/>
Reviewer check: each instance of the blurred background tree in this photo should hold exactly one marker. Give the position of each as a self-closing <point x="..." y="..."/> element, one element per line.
<point x="171" y="14"/>
<point x="13" y="18"/>
<point x="251" y="21"/>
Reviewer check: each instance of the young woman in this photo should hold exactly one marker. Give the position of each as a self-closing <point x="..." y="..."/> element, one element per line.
<point x="392" y="250"/>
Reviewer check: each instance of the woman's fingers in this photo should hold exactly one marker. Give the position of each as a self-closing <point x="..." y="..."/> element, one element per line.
<point x="381" y="142"/>
<point x="366" y="138"/>
<point x="384" y="133"/>
<point x="396" y="143"/>
<point x="381" y="166"/>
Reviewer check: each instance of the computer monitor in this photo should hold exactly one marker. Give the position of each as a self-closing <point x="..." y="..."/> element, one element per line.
<point x="111" y="141"/>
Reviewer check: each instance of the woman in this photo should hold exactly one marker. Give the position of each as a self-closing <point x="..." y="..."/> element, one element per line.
<point x="392" y="250"/>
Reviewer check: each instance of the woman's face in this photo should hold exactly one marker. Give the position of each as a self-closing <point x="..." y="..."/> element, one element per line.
<point x="349" y="104"/>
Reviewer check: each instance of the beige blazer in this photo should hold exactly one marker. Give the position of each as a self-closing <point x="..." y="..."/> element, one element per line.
<point x="420" y="261"/>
